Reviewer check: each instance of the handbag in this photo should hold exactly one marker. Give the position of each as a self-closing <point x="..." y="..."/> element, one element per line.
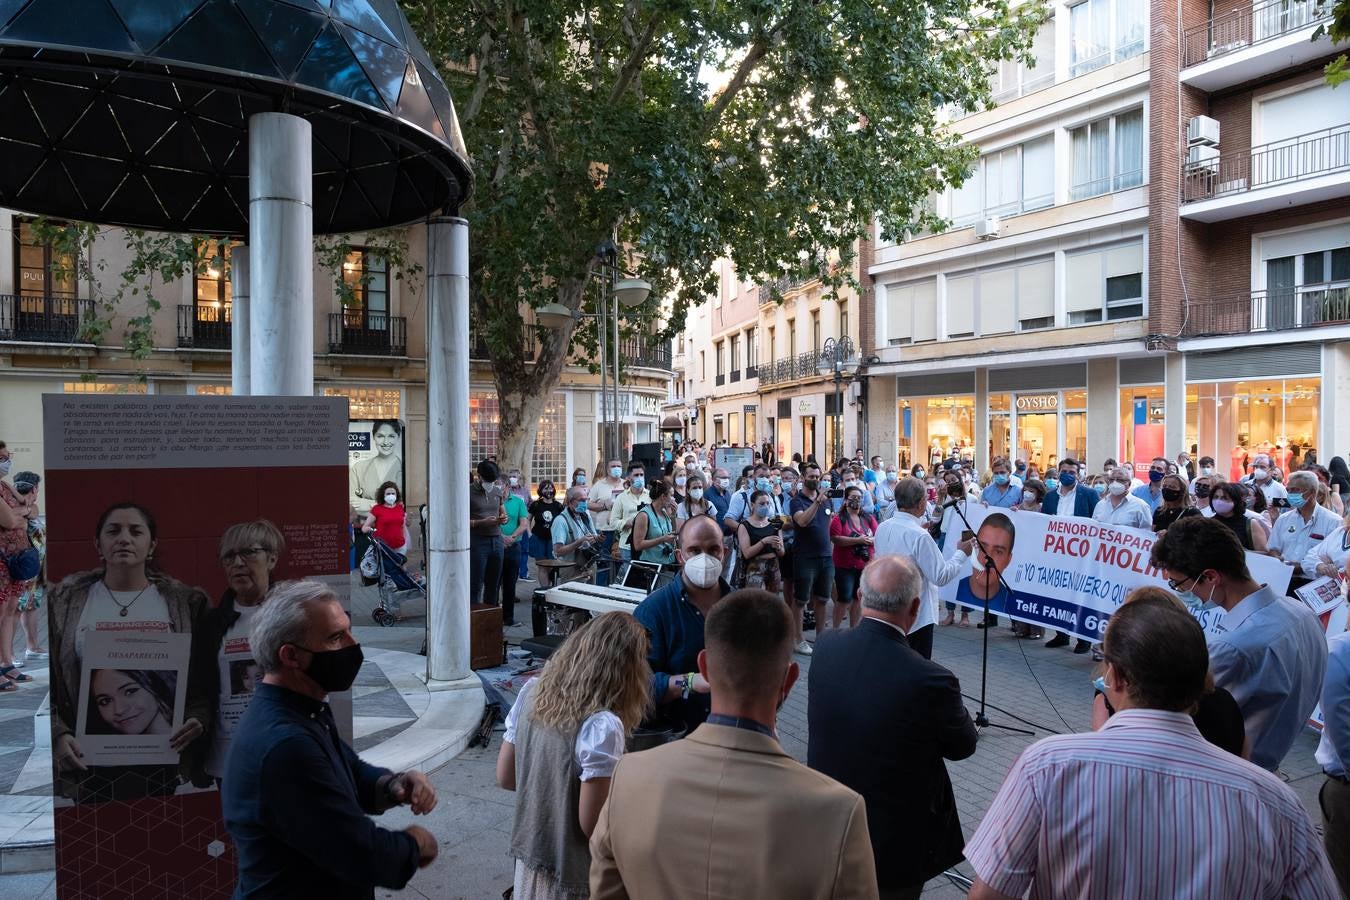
<point x="24" y="565"/>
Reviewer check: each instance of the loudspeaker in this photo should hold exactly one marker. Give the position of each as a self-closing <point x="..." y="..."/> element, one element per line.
<point x="650" y="457"/>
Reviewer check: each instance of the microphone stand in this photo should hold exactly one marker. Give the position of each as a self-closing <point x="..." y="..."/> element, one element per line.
<point x="981" y="720"/>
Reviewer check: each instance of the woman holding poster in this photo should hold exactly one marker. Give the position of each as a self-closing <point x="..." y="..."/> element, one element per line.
<point x="223" y="663"/>
<point x="126" y="617"/>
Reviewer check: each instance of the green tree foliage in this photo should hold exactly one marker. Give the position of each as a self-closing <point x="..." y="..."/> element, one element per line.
<point x="1338" y="29"/>
<point x="766" y="131"/>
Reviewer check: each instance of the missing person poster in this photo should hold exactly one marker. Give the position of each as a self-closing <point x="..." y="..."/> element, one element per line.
<point x="133" y="688"/>
<point x="1069" y="574"/>
<point x="170" y="518"/>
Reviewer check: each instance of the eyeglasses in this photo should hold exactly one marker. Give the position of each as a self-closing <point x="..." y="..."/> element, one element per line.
<point x="243" y="554"/>
<point x="1175" y="584"/>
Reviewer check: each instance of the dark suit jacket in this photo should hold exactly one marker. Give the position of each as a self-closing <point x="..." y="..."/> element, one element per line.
<point x="881" y="719"/>
<point x="1084" y="502"/>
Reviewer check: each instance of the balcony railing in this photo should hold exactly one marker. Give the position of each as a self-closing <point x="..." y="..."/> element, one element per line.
<point x="1245" y="26"/>
<point x="364" y="334"/>
<point x="50" y="320"/>
<point x="1316" y="153"/>
<point x="645" y="351"/>
<point x="791" y="368"/>
<point x="1282" y="309"/>
<point x="204" y="327"/>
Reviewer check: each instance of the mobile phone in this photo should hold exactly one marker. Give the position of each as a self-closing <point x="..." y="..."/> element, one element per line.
<point x="967" y="535"/>
<point x="836" y="493"/>
<point x="1280" y="503"/>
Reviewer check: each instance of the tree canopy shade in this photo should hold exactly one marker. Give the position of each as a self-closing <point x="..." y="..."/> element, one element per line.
<point x="766" y="131"/>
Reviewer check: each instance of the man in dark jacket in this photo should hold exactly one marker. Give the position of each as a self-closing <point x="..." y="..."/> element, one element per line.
<point x="1084" y="498"/>
<point x="888" y="742"/>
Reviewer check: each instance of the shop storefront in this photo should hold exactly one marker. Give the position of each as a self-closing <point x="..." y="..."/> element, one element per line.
<point x="935" y="415"/>
<point x="1263" y="400"/>
<point x="1040" y="427"/>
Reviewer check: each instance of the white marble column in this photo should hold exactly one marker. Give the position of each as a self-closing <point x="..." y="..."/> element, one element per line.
<point x="281" y="237"/>
<point x="448" y="454"/>
<point x="240" y="376"/>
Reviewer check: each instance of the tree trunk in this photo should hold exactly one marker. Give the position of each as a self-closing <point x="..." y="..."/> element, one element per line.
<point x="523" y="390"/>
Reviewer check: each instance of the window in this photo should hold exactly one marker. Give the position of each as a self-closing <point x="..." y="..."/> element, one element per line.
<point x="367" y="276"/>
<point x="792" y="338"/>
<point x="843" y="318"/>
<point x="1007" y="182"/>
<point x="751" y="352"/>
<point x="370" y="403"/>
<point x="40" y="271"/>
<point x="1003" y="300"/>
<point x="214" y="290"/>
<point x="1306" y="289"/>
<point x="1105" y="31"/>
<point x="105" y="387"/>
<point x="1017" y="79"/>
<point x="815" y="329"/>
<point x="911" y="313"/>
<point x="721" y="359"/>
<point x="549" y="461"/>
<point x="1105" y="285"/>
<point x="213" y="390"/>
<point x="735" y="353"/>
<point x="772" y="345"/>
<point x="1108" y="155"/>
<point x="703" y="364"/>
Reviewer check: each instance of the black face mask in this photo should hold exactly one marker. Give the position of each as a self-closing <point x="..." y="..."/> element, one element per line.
<point x="1171" y="494"/>
<point x="1202" y="491"/>
<point x="334" y="670"/>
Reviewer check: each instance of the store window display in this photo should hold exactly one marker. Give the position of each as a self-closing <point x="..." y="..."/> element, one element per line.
<point x="939" y="425"/>
<point x="1235" y="421"/>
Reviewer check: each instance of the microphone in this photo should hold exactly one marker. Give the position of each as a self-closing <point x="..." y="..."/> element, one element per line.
<point x="955" y="501"/>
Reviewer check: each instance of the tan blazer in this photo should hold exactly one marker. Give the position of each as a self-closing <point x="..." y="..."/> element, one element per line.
<point x="726" y="813"/>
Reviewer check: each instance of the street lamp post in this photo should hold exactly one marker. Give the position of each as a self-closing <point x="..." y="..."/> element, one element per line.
<point x="837" y="359"/>
<point x="623" y="292"/>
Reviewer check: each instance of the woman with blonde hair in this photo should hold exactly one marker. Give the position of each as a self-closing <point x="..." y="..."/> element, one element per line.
<point x="564" y="736"/>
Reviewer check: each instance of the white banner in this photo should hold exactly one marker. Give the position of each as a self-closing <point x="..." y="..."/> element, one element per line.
<point x="1069" y="574"/>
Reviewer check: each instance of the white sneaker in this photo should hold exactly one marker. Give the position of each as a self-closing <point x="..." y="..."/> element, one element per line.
<point x="36" y="654"/>
<point x="804" y="648"/>
<point x="16" y="663"/>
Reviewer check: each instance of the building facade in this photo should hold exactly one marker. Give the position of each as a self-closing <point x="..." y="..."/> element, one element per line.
<point x="1106" y="294"/>
<point x="372" y="351"/>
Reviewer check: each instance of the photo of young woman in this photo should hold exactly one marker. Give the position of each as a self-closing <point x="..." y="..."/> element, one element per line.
<point x="130" y="701"/>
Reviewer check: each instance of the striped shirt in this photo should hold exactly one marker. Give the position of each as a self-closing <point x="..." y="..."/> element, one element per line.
<point x="1147" y="808"/>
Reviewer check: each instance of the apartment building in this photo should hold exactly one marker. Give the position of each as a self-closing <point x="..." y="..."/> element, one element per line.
<point x="1105" y="288"/>
<point x="372" y="352"/>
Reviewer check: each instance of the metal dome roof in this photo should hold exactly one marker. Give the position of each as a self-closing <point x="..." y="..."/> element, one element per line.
<point x="135" y="112"/>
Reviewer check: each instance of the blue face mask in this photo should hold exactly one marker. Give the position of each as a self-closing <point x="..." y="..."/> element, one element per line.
<point x="1000" y="479"/>
<point x="581" y="479"/>
<point x="1099" y="488"/>
<point x="763" y="510"/>
<point x="582" y="506"/>
<point x="1053" y="484"/>
<point x="1193" y="601"/>
<point x="1297" y="501"/>
<point x="892" y="477"/>
<point x="1067" y="479"/>
<point x="763" y="484"/>
<point x="639" y="481"/>
<point x="1154" y="476"/>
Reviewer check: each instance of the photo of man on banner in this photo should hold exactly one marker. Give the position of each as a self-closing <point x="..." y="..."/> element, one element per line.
<point x="991" y="558"/>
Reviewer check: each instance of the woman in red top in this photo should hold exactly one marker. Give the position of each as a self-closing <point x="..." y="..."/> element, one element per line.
<point x="388" y="519"/>
<point x="851" y="532"/>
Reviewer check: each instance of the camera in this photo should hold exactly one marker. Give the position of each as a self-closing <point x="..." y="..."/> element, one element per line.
<point x="863" y="552"/>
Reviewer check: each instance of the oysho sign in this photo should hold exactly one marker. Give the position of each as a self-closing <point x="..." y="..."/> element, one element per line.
<point x="1037" y="402"/>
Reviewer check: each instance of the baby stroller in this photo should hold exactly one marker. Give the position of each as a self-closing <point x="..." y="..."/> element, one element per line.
<point x="389" y="569"/>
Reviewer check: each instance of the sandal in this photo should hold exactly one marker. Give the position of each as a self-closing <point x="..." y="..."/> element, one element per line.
<point x="964" y="623"/>
<point x="13" y="674"/>
<point x="7" y="686"/>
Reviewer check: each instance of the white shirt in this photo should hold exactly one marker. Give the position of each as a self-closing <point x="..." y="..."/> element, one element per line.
<point x="605" y="492"/>
<point x="1270" y="487"/>
<point x="1293" y="538"/>
<point x="146" y="611"/>
<point x="1064" y="509"/>
<point x="1335" y="549"/>
<point x="905" y="535"/>
<point x="237" y="671"/>
<point x="599" y="743"/>
<point x="1132" y="513"/>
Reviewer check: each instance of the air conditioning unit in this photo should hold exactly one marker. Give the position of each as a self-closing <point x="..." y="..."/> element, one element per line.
<point x="987" y="228"/>
<point x="1203" y="131"/>
<point x="1202" y="159"/>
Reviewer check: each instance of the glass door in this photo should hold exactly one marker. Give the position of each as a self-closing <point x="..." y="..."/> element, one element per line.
<point x="1038" y="439"/>
<point x="808" y="436"/>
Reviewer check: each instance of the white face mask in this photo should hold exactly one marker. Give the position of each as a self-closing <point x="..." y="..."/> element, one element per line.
<point x="680" y="480"/>
<point x="1028" y="497"/>
<point x="515" y="480"/>
<point x="4" y="466"/>
<point x="1260" y="473"/>
<point x="724" y="483"/>
<point x="390" y="499"/>
<point x="1117" y="488"/>
<point x="702" y="570"/>
<point x="1206" y="470"/>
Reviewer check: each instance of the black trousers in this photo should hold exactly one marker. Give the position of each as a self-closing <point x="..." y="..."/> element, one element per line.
<point x="510" y="575"/>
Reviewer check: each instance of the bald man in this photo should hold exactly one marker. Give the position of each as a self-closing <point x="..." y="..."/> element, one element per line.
<point x="674" y="616"/>
<point x="912" y="706"/>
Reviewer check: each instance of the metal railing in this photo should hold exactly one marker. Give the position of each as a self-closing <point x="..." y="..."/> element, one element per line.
<point x="204" y="327"/>
<point x="790" y="368"/>
<point x="1282" y="309"/>
<point x="646" y="351"/>
<point x="1105" y="56"/>
<point x="1109" y="184"/>
<point x="367" y="334"/>
<point x="1316" y="153"/>
<point x="51" y="320"/>
<point x="1244" y="26"/>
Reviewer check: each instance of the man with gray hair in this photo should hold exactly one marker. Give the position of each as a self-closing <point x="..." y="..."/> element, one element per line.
<point x="1262" y="477"/>
<point x="296" y="797"/>
<point x="905" y="534"/>
<point x="1302" y="527"/>
<point x="888" y="742"/>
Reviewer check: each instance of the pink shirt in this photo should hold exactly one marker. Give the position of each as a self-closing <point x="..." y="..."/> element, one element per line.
<point x="845" y="557"/>
<point x="1147" y="808"/>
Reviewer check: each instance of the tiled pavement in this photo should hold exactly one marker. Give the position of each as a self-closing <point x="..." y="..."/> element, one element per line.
<point x="473" y="818"/>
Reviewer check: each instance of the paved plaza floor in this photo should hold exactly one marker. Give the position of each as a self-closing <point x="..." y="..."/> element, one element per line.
<point x="1048" y="687"/>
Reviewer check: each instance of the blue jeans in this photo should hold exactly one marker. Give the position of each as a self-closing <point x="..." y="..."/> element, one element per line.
<point x="485" y="568"/>
<point x="606" y="567"/>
